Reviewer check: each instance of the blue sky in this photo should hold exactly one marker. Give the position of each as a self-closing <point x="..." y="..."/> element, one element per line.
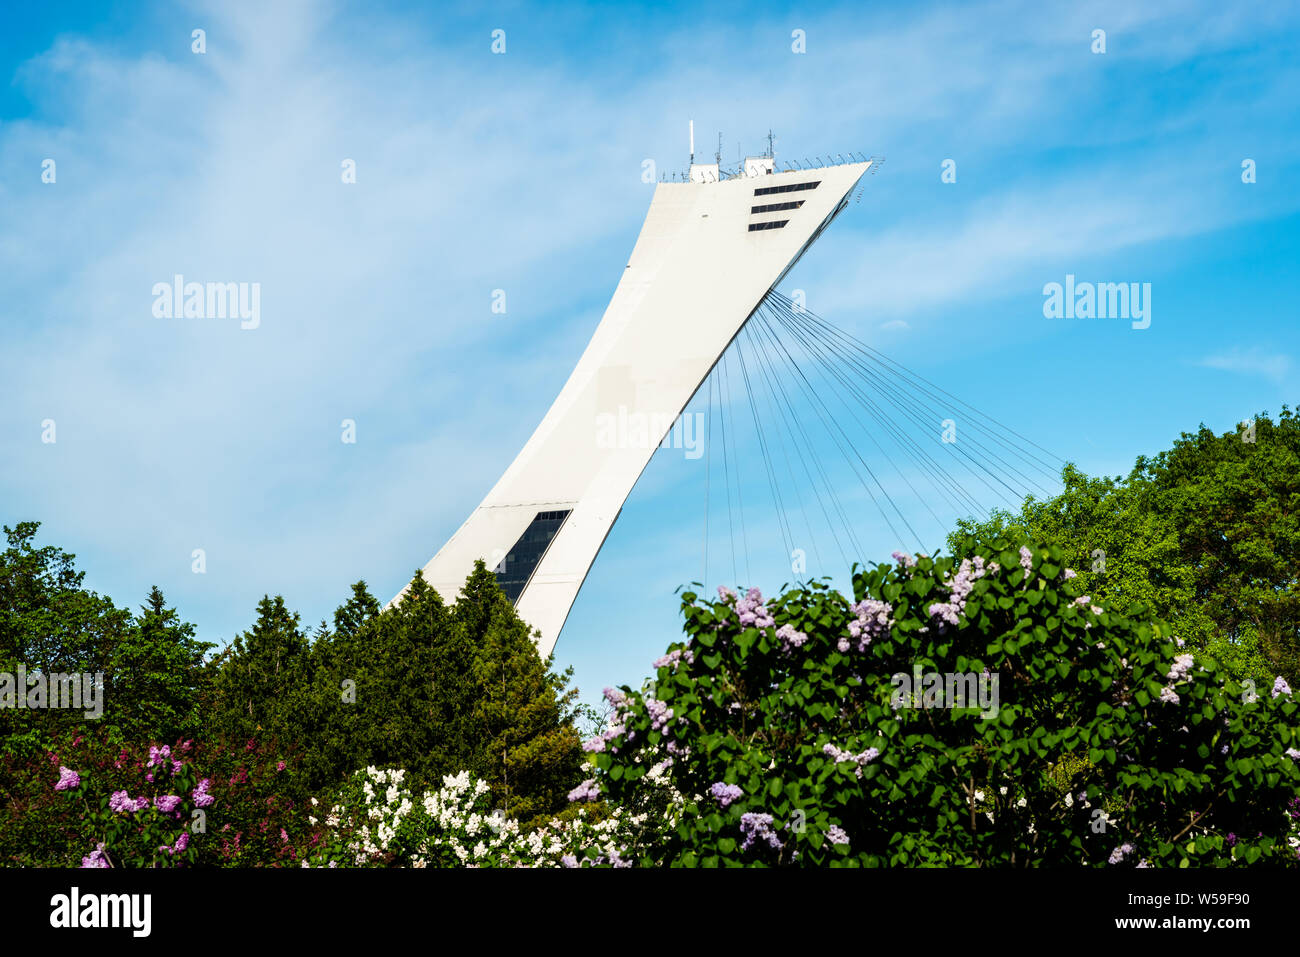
<point x="522" y="172"/>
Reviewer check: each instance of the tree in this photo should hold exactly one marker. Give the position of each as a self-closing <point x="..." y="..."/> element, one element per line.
<point x="531" y="753"/>
<point x="152" y="665"/>
<point x="157" y="671"/>
<point x="263" y="678"/>
<point x="1206" y="533"/>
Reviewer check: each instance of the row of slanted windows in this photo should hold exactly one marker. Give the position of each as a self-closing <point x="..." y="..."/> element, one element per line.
<point x="753" y="227"/>
<point x="774" y="207"/>
<point x="791" y="188"/>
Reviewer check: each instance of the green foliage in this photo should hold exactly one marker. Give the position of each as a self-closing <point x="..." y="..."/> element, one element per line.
<point x="430" y="688"/>
<point x="1103" y="745"/>
<point x="1207" y="534"/>
<point x="152" y="664"/>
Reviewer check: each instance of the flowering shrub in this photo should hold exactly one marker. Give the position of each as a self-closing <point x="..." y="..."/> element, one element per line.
<point x="90" y="789"/>
<point x="1105" y="742"/>
<point x="376" y="821"/>
<point x="151" y="829"/>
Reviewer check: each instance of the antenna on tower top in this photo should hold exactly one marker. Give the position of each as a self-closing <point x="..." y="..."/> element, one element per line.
<point x="692" y="122"/>
<point x="770" y="140"/>
<point x="718" y="156"/>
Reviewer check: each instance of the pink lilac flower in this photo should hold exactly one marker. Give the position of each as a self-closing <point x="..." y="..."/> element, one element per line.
<point x="68" y="779"/>
<point x="157" y="754"/>
<point x="726" y="794"/>
<point x="167" y="802"/>
<point x="596" y="744"/>
<point x="280" y="766"/>
<point x="200" y="794"/>
<point x="586" y="791"/>
<point x="176" y="767"/>
<point x="122" y="803"/>
<point x="758" y="827"/>
<point x="837" y="835"/>
<point x="96" y="858"/>
<point x="1280" y="686"/>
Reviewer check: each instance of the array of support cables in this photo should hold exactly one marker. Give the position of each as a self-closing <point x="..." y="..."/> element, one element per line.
<point x="848" y="441"/>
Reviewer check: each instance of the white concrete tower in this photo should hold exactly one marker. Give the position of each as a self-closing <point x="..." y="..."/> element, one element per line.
<point x="708" y="252"/>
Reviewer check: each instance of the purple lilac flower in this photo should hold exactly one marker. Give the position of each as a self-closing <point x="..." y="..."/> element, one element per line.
<point x="752" y="611"/>
<point x="1182" y="664"/>
<point x="1070" y="573"/>
<point x="200" y="794"/>
<point x="1280" y="686"/>
<point x="904" y="559"/>
<point x="167" y="802"/>
<point x="725" y="593"/>
<point x="596" y="744"/>
<point x="758" y="827"/>
<point x="790" y="637"/>
<point x="726" y="794"/>
<point x="1231" y="839"/>
<point x="122" y="803"/>
<point x="157" y="755"/>
<point x="960" y="587"/>
<point x="873" y="621"/>
<point x="675" y="657"/>
<point x="1026" y="560"/>
<point x="569" y="860"/>
<point x="586" y="791"/>
<point x="837" y="835"/>
<point x="1121" y="852"/>
<point x="615" y="697"/>
<point x="839" y="755"/>
<point x="660" y="714"/>
<point x="96" y="858"/>
<point x="68" y="779"/>
<point x="1293" y="754"/>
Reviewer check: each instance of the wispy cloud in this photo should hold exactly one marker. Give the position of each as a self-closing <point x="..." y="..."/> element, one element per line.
<point x="1255" y="362"/>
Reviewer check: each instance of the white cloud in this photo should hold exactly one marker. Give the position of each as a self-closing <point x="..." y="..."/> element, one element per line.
<point x="1254" y="362"/>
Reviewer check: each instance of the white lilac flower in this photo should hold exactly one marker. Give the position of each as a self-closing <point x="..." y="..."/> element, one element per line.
<point x="837" y="835"/>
